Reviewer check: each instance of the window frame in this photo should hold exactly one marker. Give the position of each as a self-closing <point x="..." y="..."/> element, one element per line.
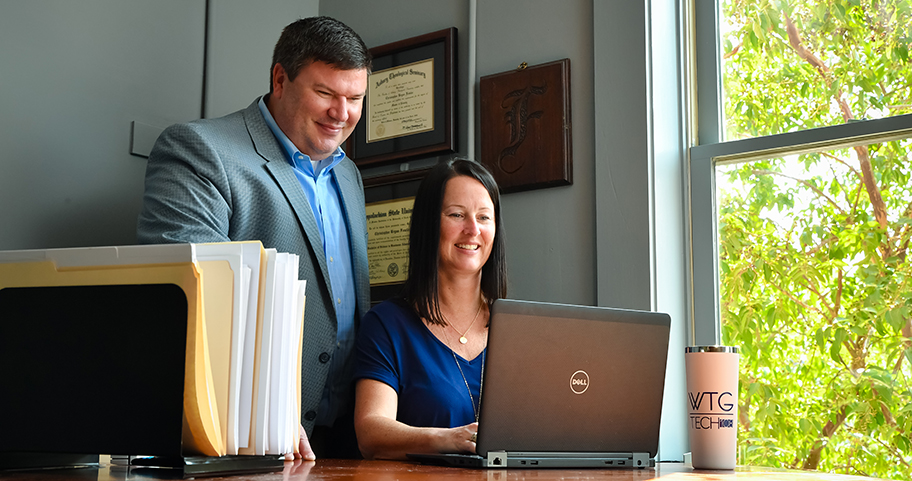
<point x="710" y="151"/>
<point x="707" y="323"/>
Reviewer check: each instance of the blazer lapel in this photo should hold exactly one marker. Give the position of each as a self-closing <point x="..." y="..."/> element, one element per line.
<point x="266" y="145"/>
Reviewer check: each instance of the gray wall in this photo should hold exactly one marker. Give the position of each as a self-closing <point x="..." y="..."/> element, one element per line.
<point x="81" y="76"/>
<point x="242" y="35"/>
<point x="615" y="237"/>
<point x="550" y="232"/>
<point x="74" y="75"/>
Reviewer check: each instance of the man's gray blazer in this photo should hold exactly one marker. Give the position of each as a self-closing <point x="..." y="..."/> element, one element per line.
<point x="228" y="179"/>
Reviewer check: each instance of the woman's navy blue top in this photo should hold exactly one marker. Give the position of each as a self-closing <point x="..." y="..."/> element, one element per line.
<point x="396" y="348"/>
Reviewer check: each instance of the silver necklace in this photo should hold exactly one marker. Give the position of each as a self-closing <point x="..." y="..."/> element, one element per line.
<point x="468" y="389"/>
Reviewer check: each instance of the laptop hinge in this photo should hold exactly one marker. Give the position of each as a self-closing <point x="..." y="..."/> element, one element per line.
<point x="545" y="459"/>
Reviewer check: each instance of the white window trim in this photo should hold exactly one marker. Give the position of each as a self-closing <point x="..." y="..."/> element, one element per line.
<point x="704" y="261"/>
<point x="705" y="316"/>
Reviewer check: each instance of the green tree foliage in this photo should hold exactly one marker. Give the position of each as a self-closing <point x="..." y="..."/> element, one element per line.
<point x="816" y="282"/>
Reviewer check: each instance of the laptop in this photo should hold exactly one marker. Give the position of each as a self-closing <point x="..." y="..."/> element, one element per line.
<point x="569" y="386"/>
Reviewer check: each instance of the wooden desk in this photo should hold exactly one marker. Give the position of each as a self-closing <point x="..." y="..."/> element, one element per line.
<point x="349" y="470"/>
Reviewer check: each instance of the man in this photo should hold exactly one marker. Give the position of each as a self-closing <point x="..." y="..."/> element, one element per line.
<point x="275" y="172"/>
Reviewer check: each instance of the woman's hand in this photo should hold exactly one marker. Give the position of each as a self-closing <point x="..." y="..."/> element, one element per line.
<point x="461" y="439"/>
<point x="381" y="436"/>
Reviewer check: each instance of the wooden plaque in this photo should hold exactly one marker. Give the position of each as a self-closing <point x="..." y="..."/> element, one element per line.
<point x="525" y="126"/>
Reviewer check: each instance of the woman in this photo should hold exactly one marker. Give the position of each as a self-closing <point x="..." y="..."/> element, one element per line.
<point x="420" y="357"/>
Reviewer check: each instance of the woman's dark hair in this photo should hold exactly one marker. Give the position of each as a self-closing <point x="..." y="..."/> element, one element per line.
<point x="319" y="39"/>
<point x="421" y="289"/>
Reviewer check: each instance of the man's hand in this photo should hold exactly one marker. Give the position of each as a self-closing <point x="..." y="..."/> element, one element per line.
<point x="305" y="452"/>
<point x="297" y="469"/>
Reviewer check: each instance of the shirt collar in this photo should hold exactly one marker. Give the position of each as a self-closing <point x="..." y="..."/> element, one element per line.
<point x="292" y="154"/>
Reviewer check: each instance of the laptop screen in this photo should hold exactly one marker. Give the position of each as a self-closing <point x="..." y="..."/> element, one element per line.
<point x="565" y="378"/>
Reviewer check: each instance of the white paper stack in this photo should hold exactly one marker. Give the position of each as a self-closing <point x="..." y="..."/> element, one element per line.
<point x="245" y="326"/>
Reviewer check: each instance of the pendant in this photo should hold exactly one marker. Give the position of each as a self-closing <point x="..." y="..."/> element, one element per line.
<point x="463" y="340"/>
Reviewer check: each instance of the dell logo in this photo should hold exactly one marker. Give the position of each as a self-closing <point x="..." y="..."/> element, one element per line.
<point x="579" y="382"/>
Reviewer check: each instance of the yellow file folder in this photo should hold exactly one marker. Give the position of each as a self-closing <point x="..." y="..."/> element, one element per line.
<point x="202" y="432"/>
<point x="226" y="396"/>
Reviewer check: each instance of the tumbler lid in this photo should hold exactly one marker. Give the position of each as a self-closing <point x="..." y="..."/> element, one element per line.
<point x="731" y="349"/>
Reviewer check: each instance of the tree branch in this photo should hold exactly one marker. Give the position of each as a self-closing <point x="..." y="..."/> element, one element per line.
<point x="803" y="182"/>
<point x="839" y="285"/>
<point x="822" y="299"/>
<point x="744" y="411"/>
<point x="907" y="344"/>
<point x="864" y="161"/>
<point x="897" y="454"/>
<point x="813" y="459"/>
<point x="798" y="301"/>
<point x="845" y="163"/>
<point x="903" y="232"/>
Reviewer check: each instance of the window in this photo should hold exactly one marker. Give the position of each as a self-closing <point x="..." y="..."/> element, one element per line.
<point x="792" y="65"/>
<point x="801" y="226"/>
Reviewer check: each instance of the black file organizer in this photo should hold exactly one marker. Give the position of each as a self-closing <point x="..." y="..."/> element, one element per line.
<point x="88" y="370"/>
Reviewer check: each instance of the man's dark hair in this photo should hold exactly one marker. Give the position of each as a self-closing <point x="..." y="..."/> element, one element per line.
<point x="319" y="39"/>
<point x="421" y="289"/>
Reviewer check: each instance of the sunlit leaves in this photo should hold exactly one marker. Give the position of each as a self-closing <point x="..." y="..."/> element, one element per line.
<point x="862" y="44"/>
<point x="814" y="291"/>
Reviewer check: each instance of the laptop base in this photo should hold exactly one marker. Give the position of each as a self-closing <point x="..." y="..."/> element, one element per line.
<point x="532" y="460"/>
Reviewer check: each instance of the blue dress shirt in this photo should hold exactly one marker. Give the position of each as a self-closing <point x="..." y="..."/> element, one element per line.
<point x="322" y="190"/>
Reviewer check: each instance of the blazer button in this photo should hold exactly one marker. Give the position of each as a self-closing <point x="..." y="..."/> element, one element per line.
<point x="310" y="415"/>
<point x="324" y="358"/>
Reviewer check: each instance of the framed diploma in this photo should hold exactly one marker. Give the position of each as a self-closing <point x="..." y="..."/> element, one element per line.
<point x="409" y="109"/>
<point x="388" y="240"/>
